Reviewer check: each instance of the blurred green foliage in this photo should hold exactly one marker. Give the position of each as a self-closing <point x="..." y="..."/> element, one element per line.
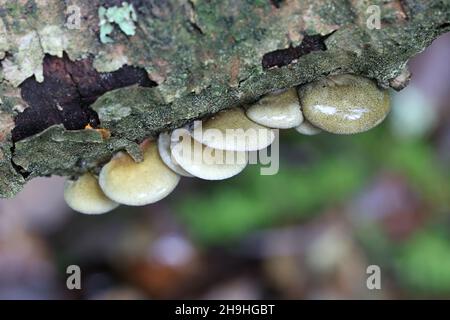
<point x="339" y="166"/>
<point x="252" y="201"/>
<point x="330" y="171"/>
<point x="423" y="262"/>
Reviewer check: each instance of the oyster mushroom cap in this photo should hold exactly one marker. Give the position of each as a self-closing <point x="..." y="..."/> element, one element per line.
<point x="166" y="155"/>
<point x="232" y="130"/>
<point x="204" y="162"/>
<point x="138" y="183"/>
<point x="344" y="104"/>
<point x="84" y="195"/>
<point x="281" y="111"/>
<point x="308" y="129"/>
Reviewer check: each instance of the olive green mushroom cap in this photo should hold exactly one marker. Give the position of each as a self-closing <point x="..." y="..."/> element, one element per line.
<point x="138" y="183"/>
<point x="84" y="195"/>
<point x="344" y="104"/>
<point x="280" y="111"/>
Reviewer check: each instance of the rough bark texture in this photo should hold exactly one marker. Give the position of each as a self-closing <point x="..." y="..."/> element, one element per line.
<point x="68" y="100"/>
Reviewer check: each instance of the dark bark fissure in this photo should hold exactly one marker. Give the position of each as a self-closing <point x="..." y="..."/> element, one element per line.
<point x="276" y="3"/>
<point x="68" y="89"/>
<point x="283" y="57"/>
<point x="20" y="170"/>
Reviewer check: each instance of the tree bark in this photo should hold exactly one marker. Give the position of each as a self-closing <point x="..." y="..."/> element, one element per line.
<point x="81" y="80"/>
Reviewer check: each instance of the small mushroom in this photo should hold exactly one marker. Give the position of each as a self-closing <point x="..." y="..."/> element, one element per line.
<point x="84" y="195"/>
<point x="166" y="155"/>
<point x="204" y="162"/>
<point x="308" y="129"/>
<point x="138" y="183"/>
<point x="232" y="130"/>
<point x="344" y="104"/>
<point x="281" y="111"/>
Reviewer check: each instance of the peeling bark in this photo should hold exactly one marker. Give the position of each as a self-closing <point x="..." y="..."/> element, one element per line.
<point x="66" y="93"/>
<point x="199" y="56"/>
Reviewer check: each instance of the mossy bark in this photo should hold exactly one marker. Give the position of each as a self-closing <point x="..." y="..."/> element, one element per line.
<point x="201" y="56"/>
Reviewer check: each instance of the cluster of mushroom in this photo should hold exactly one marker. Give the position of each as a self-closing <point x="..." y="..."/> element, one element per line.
<point x="342" y="104"/>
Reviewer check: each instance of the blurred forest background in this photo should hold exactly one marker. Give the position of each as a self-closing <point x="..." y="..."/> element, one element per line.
<point x="337" y="205"/>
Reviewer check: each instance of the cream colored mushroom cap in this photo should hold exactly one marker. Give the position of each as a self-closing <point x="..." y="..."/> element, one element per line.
<point x="232" y="130"/>
<point x="308" y="129"/>
<point x="84" y="195"/>
<point x="138" y="183"/>
<point x="204" y="162"/>
<point x="281" y="111"/>
<point x="166" y="155"/>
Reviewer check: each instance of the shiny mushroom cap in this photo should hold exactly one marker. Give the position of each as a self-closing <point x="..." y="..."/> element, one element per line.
<point x="166" y="155"/>
<point x="84" y="195"/>
<point x="281" y="111"/>
<point x="204" y="162"/>
<point x="344" y="104"/>
<point x="138" y="183"/>
<point x="308" y="129"/>
<point x="232" y="130"/>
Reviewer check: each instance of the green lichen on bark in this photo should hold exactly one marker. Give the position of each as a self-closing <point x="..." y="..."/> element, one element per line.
<point x="123" y="16"/>
<point x="93" y="150"/>
<point x="205" y="56"/>
<point x="10" y="180"/>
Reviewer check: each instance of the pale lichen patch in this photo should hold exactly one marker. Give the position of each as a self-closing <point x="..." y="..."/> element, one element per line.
<point x="31" y="49"/>
<point x="26" y="62"/>
<point x="53" y="40"/>
<point x="111" y="59"/>
<point x="6" y="125"/>
<point x="114" y="112"/>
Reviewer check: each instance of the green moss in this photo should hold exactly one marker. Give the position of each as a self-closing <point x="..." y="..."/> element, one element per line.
<point x="11" y="182"/>
<point x="334" y="13"/>
<point x="241" y="204"/>
<point x="423" y="263"/>
<point x="14" y="8"/>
